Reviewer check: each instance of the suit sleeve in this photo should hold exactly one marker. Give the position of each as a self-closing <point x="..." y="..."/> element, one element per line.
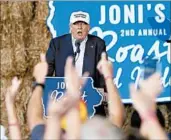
<point x="50" y="57"/>
<point x="100" y="78"/>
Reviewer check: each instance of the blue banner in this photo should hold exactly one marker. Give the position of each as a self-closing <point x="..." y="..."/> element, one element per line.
<point x="131" y="30"/>
<point x="55" y="89"/>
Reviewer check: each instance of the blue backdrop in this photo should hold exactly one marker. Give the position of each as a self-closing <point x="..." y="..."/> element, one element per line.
<point x="131" y="30"/>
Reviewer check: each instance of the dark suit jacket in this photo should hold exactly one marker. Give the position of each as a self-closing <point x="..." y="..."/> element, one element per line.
<point x="61" y="47"/>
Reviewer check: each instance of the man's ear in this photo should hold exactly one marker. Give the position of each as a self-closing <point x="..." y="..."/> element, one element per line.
<point x="88" y="27"/>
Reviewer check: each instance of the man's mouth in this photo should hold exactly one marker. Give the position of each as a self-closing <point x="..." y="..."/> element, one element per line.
<point x="79" y="32"/>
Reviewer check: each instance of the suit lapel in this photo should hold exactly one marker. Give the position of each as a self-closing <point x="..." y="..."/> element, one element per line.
<point x="65" y="50"/>
<point x="89" y="56"/>
<point x="69" y="46"/>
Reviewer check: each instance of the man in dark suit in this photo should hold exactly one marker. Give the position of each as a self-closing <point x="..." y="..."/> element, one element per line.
<point x="86" y="49"/>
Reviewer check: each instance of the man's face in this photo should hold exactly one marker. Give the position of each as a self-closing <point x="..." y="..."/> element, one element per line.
<point x="79" y="30"/>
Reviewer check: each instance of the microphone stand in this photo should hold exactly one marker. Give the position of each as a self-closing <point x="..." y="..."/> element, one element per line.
<point x="77" y="53"/>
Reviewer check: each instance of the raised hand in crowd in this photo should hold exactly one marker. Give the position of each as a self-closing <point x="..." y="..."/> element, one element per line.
<point x="40" y="70"/>
<point x="35" y="108"/>
<point x="66" y="106"/>
<point x="56" y="111"/>
<point x="14" y="126"/>
<point x="72" y="80"/>
<point x="147" y="87"/>
<point x="74" y="83"/>
<point x="115" y="106"/>
<point x="143" y="101"/>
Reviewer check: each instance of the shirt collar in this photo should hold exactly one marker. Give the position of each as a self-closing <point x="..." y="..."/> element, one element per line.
<point x="73" y="40"/>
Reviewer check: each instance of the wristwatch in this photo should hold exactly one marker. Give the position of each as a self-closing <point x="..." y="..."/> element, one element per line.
<point x="35" y="84"/>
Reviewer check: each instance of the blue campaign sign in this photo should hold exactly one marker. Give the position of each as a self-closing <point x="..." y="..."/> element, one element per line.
<point x="55" y="89"/>
<point x="131" y="30"/>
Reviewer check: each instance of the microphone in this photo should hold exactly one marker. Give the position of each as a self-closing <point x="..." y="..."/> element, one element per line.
<point x="77" y="44"/>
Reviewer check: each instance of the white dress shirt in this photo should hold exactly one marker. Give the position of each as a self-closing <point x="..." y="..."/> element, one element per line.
<point x="79" y="58"/>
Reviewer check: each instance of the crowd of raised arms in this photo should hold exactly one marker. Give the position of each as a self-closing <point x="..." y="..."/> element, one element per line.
<point x="98" y="127"/>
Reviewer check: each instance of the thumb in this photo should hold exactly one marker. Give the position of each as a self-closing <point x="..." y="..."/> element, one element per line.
<point x="99" y="67"/>
<point x="103" y="56"/>
<point x="68" y="64"/>
<point x="86" y="74"/>
<point x="133" y="90"/>
<point x="42" y="57"/>
<point x="84" y="78"/>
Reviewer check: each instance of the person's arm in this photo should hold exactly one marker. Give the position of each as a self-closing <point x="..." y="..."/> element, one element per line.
<point x="74" y="83"/>
<point x="50" y="58"/>
<point x="73" y="119"/>
<point x="56" y="110"/>
<point x="14" y="127"/>
<point x="53" y="129"/>
<point x="144" y="103"/>
<point x="151" y="123"/>
<point x="73" y="88"/>
<point x="67" y="105"/>
<point x="35" y="107"/>
<point x="147" y="87"/>
<point x="115" y="106"/>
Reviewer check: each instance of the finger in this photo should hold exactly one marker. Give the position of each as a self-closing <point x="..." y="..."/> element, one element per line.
<point x="103" y="56"/>
<point x="132" y="89"/>
<point x="19" y="82"/>
<point x="99" y="67"/>
<point x="42" y="57"/>
<point x="155" y="76"/>
<point x="69" y="61"/>
<point x="110" y="64"/>
<point x="68" y="64"/>
<point x="84" y="79"/>
<point x="51" y="101"/>
<point x="14" y="80"/>
<point x="86" y="74"/>
<point x="140" y="82"/>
